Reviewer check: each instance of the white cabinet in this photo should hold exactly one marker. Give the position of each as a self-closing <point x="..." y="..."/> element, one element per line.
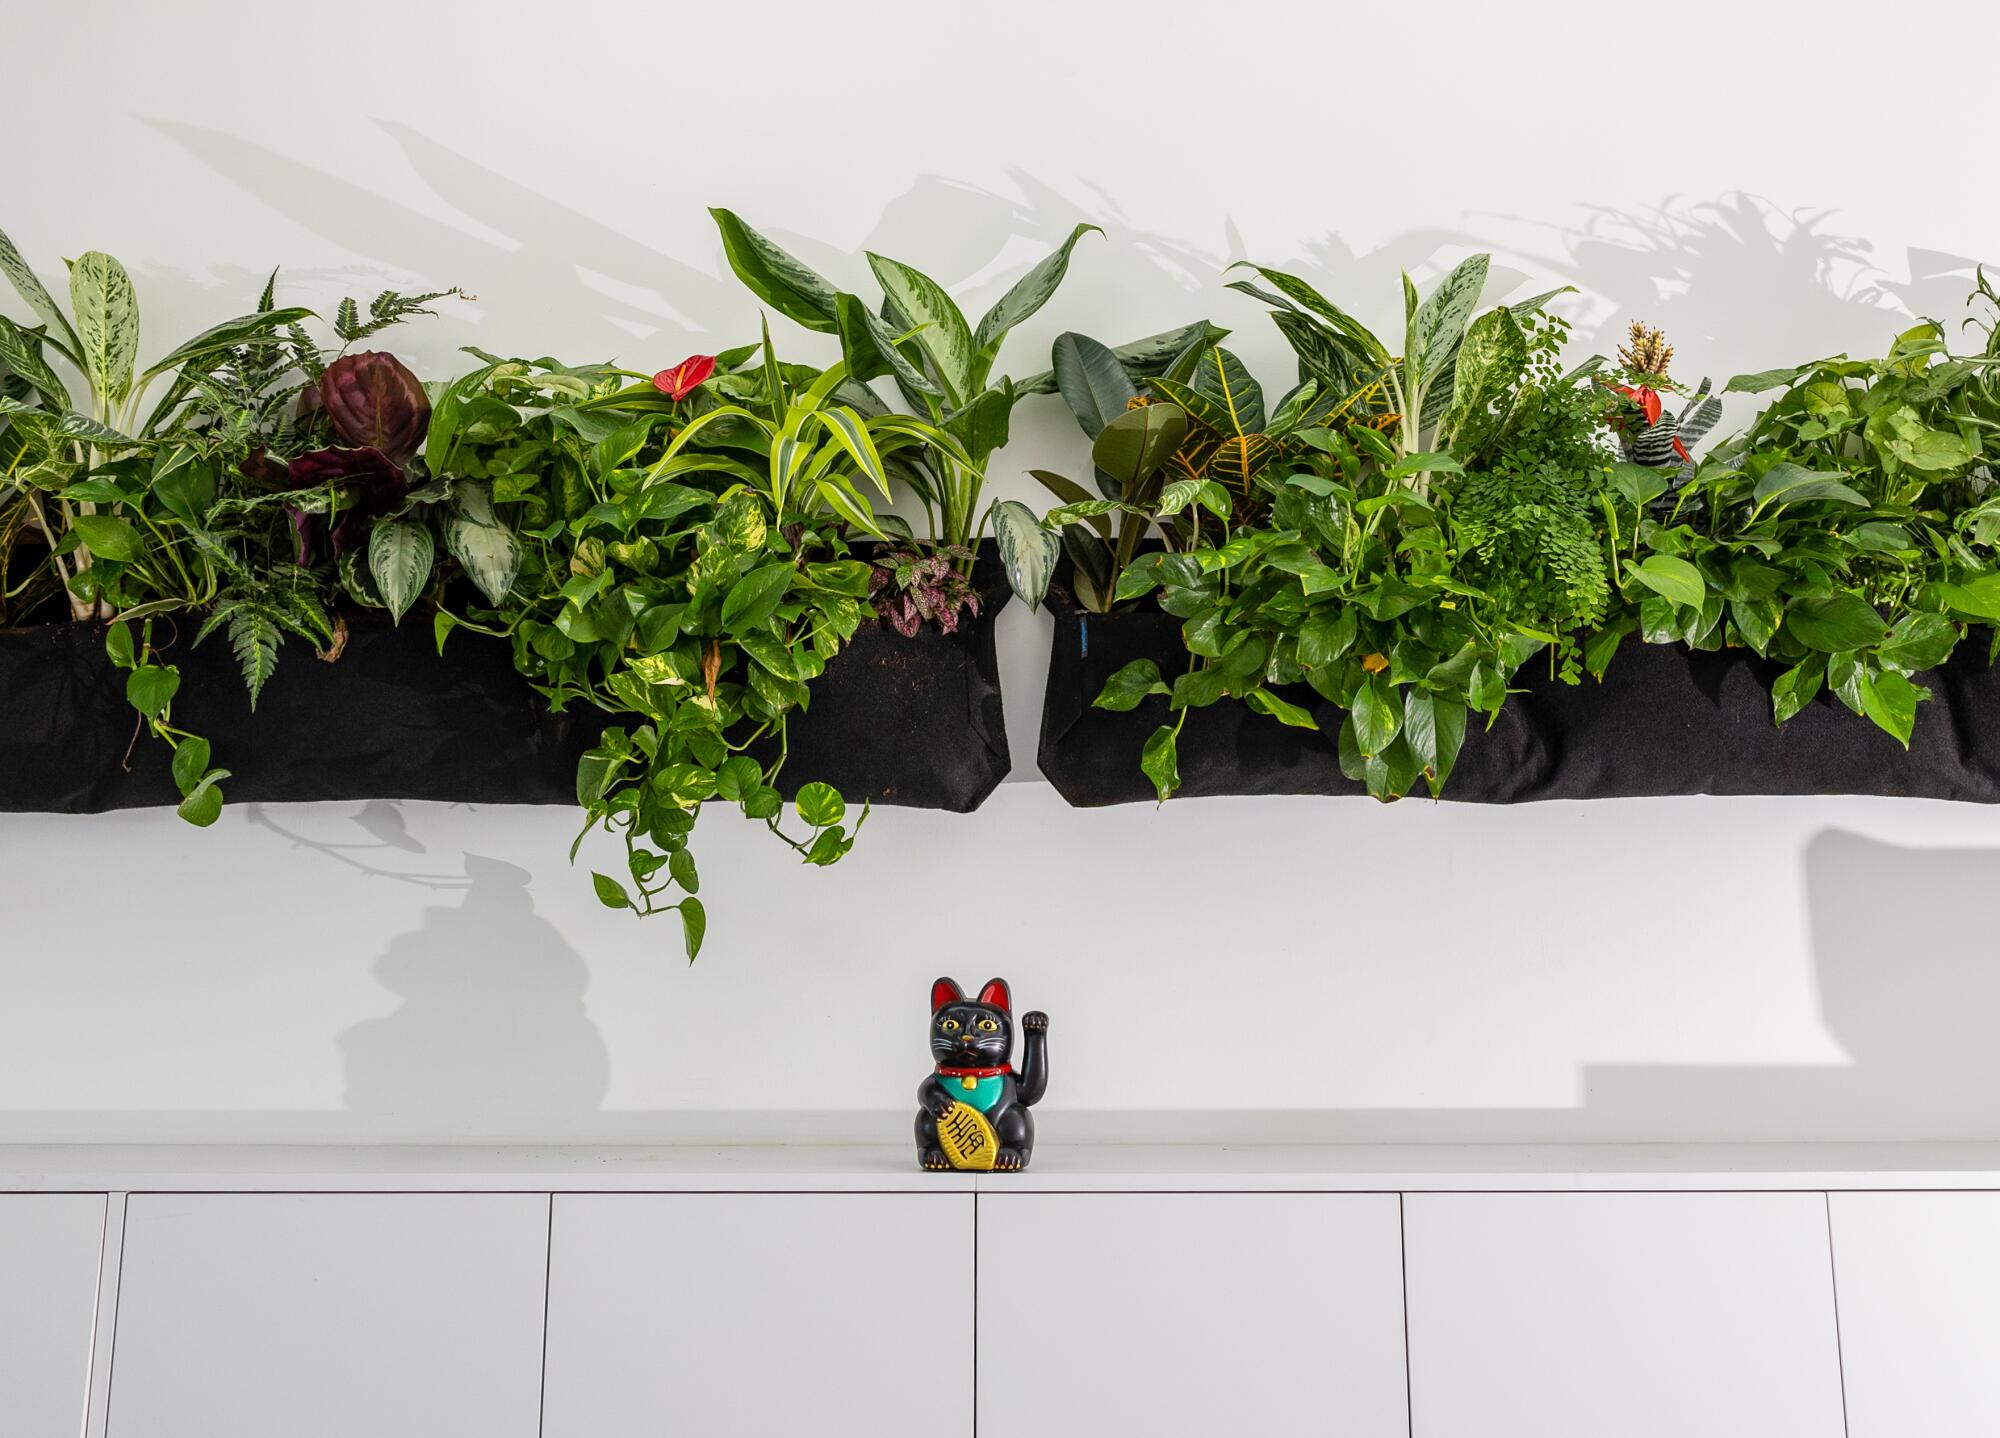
<point x="327" y="1316"/>
<point x="50" y="1247"/>
<point x="1635" y="1314"/>
<point x="1919" y="1277"/>
<point x="1190" y="1314"/>
<point x="752" y="1314"/>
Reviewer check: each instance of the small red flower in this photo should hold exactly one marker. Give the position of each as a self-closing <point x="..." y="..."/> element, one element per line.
<point x="683" y="379"/>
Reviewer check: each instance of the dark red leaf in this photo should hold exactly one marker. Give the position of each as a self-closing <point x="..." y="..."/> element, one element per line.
<point x="375" y="402"/>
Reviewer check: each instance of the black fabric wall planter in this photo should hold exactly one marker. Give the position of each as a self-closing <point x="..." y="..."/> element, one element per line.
<point x="1664" y="721"/>
<point x="912" y="722"/>
<point x="1092" y="755"/>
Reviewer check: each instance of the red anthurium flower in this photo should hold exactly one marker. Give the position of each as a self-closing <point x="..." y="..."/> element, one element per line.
<point x="683" y="379"/>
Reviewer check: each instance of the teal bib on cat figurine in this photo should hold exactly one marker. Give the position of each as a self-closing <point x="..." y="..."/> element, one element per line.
<point x="972" y="1110"/>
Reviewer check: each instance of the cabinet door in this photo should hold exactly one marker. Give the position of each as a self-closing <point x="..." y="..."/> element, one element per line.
<point x="329" y="1316"/>
<point x="1919" y="1278"/>
<point x="50" y="1248"/>
<point x="1640" y="1315"/>
<point x="750" y="1314"/>
<point x="1190" y="1314"/>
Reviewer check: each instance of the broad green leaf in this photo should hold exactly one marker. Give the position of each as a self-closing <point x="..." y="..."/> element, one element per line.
<point x="1795" y="688"/>
<point x="1327" y="636"/>
<point x="754" y="598"/>
<point x="39" y="300"/>
<point x="1639" y="484"/>
<point x="109" y="537"/>
<point x="1918" y="641"/>
<point x="484" y="547"/>
<point x="1788" y="483"/>
<point x="1977" y="597"/>
<point x="400" y="554"/>
<point x="1160" y="762"/>
<point x="118" y="648"/>
<point x="921" y="303"/>
<point x="1130" y="686"/>
<point x="1263" y="701"/>
<point x="1671" y="578"/>
<point x="778" y="278"/>
<point x="1025" y="296"/>
<point x="1028" y="552"/>
<point x="610" y="892"/>
<point x="191" y="757"/>
<point x="1137" y="443"/>
<point x="202" y="805"/>
<point x="1378" y="715"/>
<point x="1834" y="623"/>
<point x="151" y="687"/>
<point x="107" y="322"/>
<point x="820" y="805"/>
<point x="1092" y="382"/>
<point x="1891" y="701"/>
<point x="1764" y="379"/>
<point x="694" y="925"/>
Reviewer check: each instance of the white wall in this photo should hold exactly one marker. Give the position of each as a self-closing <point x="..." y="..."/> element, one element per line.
<point x="1633" y="970"/>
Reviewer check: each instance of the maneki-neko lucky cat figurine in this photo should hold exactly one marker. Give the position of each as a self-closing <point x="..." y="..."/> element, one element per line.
<point x="973" y="1110"/>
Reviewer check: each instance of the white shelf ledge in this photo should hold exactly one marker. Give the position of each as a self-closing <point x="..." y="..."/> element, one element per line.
<point x="1057" y="1168"/>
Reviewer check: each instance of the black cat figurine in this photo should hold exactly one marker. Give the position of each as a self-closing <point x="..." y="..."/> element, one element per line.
<point x="972" y="1112"/>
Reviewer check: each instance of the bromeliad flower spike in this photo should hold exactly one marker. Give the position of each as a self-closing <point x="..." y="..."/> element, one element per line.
<point x="972" y="1111"/>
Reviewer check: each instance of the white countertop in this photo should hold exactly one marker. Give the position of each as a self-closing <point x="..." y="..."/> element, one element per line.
<point x="1057" y="1168"/>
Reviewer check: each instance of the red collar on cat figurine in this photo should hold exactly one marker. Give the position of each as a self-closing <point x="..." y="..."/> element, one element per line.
<point x="947" y="1071"/>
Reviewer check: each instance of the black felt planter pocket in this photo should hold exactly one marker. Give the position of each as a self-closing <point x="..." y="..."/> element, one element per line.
<point x="1667" y="720"/>
<point x="1091" y="755"/>
<point x="913" y="722"/>
<point x="1664" y="721"/>
<point x="390" y="719"/>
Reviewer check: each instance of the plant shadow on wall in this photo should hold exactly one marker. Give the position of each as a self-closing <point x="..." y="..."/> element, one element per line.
<point x="490" y="1037"/>
<point x="1712" y="272"/>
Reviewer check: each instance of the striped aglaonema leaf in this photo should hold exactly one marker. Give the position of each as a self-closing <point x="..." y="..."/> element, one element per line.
<point x="485" y="548"/>
<point x="1027" y="294"/>
<point x="1492" y="356"/>
<point x="918" y="302"/>
<point x="31" y="289"/>
<point x="1439" y="322"/>
<point x="400" y="554"/>
<point x="22" y="353"/>
<point x="107" y="322"/>
<point x="780" y="279"/>
<point x="1028" y="552"/>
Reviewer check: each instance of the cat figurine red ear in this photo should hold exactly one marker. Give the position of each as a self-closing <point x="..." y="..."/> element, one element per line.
<point x="973" y="1108"/>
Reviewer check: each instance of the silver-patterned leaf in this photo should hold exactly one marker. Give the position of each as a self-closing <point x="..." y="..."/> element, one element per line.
<point x="1027" y="551"/>
<point x="484" y="547"/>
<point x="1027" y="294"/>
<point x="1439" y="322"/>
<point x="107" y="323"/>
<point x="21" y="352"/>
<point x="400" y="553"/>
<point x="39" y="300"/>
<point x="944" y="335"/>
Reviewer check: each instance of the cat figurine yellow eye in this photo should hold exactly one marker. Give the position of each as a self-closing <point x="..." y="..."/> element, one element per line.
<point x="972" y="1110"/>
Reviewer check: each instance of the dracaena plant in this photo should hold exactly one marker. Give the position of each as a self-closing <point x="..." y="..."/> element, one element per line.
<point x="1849" y="534"/>
<point x="1353" y="573"/>
<point x="685" y="570"/>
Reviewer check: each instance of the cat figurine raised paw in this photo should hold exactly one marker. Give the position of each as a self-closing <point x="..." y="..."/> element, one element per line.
<point x="972" y="1111"/>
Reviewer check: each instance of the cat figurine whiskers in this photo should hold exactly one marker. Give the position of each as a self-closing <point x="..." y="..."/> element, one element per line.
<point x="972" y="1110"/>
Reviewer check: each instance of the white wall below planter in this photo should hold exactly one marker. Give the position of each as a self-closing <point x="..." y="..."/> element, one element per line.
<point x="1637" y="970"/>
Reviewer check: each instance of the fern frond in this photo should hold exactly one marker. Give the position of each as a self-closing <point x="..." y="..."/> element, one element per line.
<point x="255" y="638"/>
